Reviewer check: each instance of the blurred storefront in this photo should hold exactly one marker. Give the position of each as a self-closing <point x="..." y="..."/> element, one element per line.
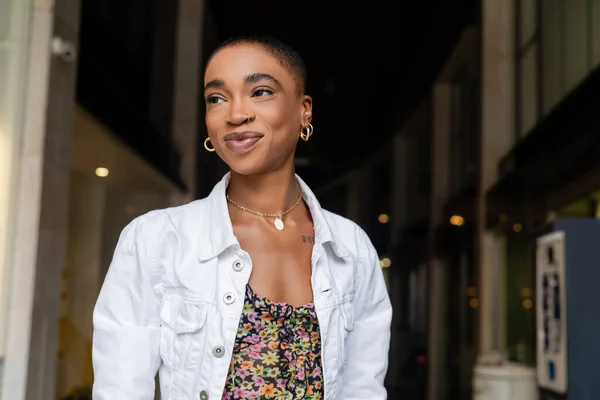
<point x="514" y="144"/>
<point x="553" y="168"/>
<point x="389" y="197"/>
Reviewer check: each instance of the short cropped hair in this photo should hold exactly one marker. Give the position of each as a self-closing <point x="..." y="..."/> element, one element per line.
<point x="286" y="55"/>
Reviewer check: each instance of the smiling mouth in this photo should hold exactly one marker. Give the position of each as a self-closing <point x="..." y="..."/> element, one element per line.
<point x="241" y="142"/>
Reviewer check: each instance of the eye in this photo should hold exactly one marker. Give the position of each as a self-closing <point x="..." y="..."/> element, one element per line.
<point x="262" y="93"/>
<point x="213" y="99"/>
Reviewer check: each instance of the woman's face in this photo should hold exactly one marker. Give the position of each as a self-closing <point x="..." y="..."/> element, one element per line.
<point x="254" y="109"/>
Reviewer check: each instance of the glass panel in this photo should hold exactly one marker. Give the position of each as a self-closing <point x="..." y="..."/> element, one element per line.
<point x="528" y="93"/>
<point x="552" y="52"/>
<point x="581" y="208"/>
<point x="379" y="202"/>
<point x="520" y="299"/>
<point x="417" y="315"/>
<point x="527" y="9"/>
<point x="455" y="139"/>
<point x="576" y="47"/>
<point x="464" y="128"/>
<point x="413" y="165"/>
<point x="418" y="160"/>
<point x="424" y="160"/>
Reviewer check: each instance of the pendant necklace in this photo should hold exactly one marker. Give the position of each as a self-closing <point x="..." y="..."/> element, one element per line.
<point x="278" y="217"/>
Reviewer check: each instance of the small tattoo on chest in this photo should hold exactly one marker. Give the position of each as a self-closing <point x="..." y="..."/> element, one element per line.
<point x="308" y="239"/>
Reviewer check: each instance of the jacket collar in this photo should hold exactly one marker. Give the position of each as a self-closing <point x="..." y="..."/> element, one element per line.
<point x="217" y="232"/>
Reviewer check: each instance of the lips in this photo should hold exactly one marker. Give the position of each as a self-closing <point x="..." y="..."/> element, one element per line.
<point x="241" y="142"/>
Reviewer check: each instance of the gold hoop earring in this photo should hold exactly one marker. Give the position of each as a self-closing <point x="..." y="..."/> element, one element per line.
<point x="306" y="132"/>
<point x="209" y="149"/>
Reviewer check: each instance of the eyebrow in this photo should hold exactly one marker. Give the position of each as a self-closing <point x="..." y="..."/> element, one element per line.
<point x="214" y="84"/>
<point x="257" y="77"/>
<point x="252" y="78"/>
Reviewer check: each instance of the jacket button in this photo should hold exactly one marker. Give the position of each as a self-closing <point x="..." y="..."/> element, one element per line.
<point x="229" y="298"/>
<point x="203" y="395"/>
<point x="218" y="351"/>
<point x="238" y="266"/>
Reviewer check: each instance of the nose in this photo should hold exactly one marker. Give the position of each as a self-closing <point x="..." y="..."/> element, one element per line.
<point x="238" y="118"/>
<point x="238" y="114"/>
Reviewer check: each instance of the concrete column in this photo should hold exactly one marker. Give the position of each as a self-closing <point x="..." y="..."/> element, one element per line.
<point x="399" y="271"/>
<point x="497" y="137"/>
<point x="437" y="268"/>
<point x="14" y="20"/>
<point x="42" y="206"/>
<point x="53" y="222"/>
<point x="187" y="92"/>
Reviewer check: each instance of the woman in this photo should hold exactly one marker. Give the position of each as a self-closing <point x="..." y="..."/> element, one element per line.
<point x="254" y="291"/>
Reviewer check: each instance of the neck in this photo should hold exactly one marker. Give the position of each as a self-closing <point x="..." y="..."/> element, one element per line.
<point x="271" y="192"/>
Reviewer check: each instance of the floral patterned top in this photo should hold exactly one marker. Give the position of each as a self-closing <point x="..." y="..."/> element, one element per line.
<point x="277" y="354"/>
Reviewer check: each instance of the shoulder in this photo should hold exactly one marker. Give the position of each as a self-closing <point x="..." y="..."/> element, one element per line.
<point x="155" y="225"/>
<point x="355" y="247"/>
<point x="348" y="235"/>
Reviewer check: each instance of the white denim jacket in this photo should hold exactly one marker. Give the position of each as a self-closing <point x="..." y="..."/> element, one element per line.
<point x="172" y="301"/>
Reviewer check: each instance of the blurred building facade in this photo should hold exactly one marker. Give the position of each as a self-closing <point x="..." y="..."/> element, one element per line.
<point x="99" y="119"/>
<point x="506" y="141"/>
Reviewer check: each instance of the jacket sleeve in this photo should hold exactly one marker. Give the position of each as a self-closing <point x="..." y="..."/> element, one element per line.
<point x="126" y="318"/>
<point x="369" y="341"/>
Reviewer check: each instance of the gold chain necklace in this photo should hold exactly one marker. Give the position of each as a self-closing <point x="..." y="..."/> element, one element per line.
<point x="278" y="222"/>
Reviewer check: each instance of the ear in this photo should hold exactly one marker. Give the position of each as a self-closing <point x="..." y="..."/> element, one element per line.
<point x="306" y="116"/>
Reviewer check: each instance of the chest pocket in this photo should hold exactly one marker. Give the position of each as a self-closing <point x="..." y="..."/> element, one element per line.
<point x="183" y="323"/>
<point x="348" y="315"/>
<point x="345" y="329"/>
